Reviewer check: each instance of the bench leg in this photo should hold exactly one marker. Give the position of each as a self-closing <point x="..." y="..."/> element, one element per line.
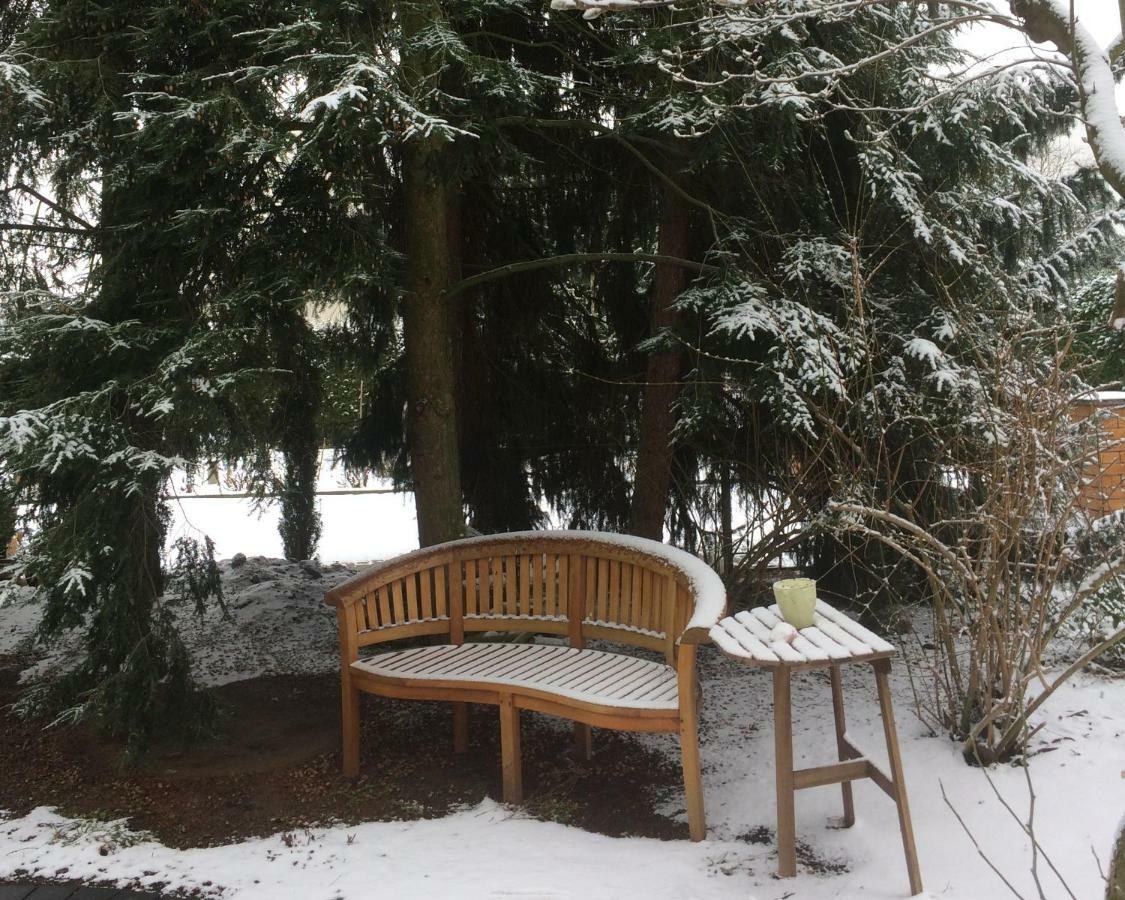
<point x="349" y="726"/>
<point x="583" y="741"/>
<point x="693" y="779"/>
<point x="511" y="764"/>
<point x="841" y="744"/>
<point x="460" y="727"/>
<point x="882" y="671"/>
<point x="783" y="762"/>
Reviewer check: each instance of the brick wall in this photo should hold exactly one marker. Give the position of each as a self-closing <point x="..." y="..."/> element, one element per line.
<point x="1105" y="492"/>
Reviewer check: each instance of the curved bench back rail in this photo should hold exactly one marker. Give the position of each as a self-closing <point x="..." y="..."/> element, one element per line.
<point x="576" y="584"/>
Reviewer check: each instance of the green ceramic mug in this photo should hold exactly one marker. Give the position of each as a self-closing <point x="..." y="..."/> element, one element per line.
<point x="796" y="598"/>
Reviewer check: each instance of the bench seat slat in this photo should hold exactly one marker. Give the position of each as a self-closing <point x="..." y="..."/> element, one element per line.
<point x="591" y="676"/>
<point x="630" y="680"/>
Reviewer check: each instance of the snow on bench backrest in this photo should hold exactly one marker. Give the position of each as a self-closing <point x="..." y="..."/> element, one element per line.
<point x="579" y="584"/>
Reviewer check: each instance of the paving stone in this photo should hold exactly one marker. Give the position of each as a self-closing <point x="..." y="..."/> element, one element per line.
<point x="71" y="891"/>
<point x="53" y="892"/>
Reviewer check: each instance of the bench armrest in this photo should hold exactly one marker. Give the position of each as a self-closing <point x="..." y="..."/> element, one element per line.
<point x="697" y="634"/>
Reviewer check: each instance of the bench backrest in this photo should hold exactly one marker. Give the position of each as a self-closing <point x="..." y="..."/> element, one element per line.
<point x="580" y="585"/>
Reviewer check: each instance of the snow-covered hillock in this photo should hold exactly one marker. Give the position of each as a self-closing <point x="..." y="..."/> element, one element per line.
<point x="274" y="622"/>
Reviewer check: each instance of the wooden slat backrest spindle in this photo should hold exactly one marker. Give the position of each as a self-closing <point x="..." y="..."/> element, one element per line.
<point x="671" y="610"/>
<point x="471" y="583"/>
<point x="538" y="588"/>
<point x="413" y="610"/>
<point x="457" y="588"/>
<point x="398" y="608"/>
<point x="613" y="608"/>
<point x="601" y="605"/>
<point x="526" y="604"/>
<point x="644" y="619"/>
<point x="576" y="599"/>
<point x="441" y="600"/>
<point x="565" y="569"/>
<point x="551" y="583"/>
<point x="626" y="613"/>
<point x="495" y="586"/>
<point x="384" y="606"/>
<point x="511" y="588"/>
<point x="426" y="594"/>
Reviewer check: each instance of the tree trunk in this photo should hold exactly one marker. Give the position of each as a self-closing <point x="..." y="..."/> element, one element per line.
<point x="299" y="439"/>
<point x="428" y="335"/>
<point x="300" y="522"/>
<point x="428" y="323"/>
<point x="654" y="448"/>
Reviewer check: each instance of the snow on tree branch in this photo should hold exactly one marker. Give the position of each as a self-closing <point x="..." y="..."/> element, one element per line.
<point x="1052" y="20"/>
<point x="1041" y="20"/>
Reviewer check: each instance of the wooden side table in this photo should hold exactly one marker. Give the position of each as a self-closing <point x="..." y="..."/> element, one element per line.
<point x="831" y="642"/>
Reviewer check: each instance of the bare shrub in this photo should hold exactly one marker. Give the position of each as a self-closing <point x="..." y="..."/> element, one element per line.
<point x="1012" y="557"/>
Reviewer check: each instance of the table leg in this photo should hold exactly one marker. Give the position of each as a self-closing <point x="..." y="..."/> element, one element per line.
<point x="783" y="763"/>
<point x="842" y="748"/>
<point x="882" y="671"/>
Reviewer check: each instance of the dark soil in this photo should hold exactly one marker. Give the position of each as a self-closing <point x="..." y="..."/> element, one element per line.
<point x="275" y="767"/>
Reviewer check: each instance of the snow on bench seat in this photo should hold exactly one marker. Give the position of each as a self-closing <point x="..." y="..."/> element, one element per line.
<point x="589" y="676"/>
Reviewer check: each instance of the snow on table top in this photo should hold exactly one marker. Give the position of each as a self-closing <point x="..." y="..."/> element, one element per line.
<point x="710" y="593"/>
<point x="834" y="637"/>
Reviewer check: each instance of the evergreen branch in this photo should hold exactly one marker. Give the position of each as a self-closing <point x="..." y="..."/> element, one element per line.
<point x="44" y="229"/>
<point x="65" y="213"/>
<point x="564" y="259"/>
<point x="627" y="143"/>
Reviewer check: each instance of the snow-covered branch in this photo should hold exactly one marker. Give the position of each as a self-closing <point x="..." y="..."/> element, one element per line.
<point x="1051" y="20"/>
<point x="1041" y="20"/>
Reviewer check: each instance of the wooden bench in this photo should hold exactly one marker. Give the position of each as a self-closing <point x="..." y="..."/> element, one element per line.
<point x="573" y="586"/>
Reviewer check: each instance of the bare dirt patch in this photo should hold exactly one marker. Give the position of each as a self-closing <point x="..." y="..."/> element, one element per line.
<point x="274" y="767"/>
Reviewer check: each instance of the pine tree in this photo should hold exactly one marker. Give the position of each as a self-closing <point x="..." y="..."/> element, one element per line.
<point x="115" y="377"/>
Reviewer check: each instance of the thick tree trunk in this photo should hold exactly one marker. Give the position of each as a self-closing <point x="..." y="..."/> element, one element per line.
<point x="654" y="449"/>
<point x="428" y="334"/>
<point x="428" y="320"/>
<point x="299" y="440"/>
<point x="300" y="522"/>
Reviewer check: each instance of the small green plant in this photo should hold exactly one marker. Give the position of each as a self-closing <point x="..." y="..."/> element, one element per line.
<point x="109" y="834"/>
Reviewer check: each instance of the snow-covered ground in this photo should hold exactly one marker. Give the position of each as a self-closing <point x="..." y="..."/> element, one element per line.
<point x="278" y="624"/>
<point x="492" y="851"/>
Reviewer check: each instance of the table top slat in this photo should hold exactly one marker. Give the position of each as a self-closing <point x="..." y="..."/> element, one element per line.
<point x="740" y="642"/>
<point x="852" y="645"/>
<point x="826" y="645"/>
<point x="805" y="644"/>
<point x="853" y="627"/>
<point x="761" y="631"/>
